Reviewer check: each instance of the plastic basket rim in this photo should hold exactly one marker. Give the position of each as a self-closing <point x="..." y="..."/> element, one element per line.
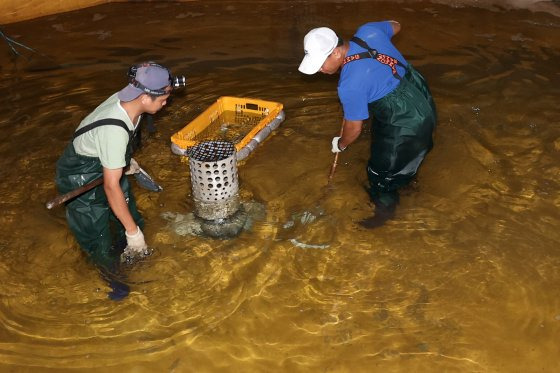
<point x="274" y="109"/>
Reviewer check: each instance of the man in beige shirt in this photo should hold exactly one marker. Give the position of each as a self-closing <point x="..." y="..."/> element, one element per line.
<point x="105" y="219"/>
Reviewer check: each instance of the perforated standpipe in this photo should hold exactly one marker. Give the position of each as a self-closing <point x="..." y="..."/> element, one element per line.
<point x="214" y="179"/>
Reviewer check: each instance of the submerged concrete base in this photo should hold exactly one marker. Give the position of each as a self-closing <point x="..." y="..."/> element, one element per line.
<point x="191" y="225"/>
<point x="227" y="227"/>
<point x="217" y="210"/>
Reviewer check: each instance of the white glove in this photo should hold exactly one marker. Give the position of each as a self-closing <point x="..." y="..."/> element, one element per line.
<point x="335" y="148"/>
<point x="133" y="167"/>
<point x="135" y="242"/>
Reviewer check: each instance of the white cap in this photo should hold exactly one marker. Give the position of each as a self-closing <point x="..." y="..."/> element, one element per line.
<point x="318" y="45"/>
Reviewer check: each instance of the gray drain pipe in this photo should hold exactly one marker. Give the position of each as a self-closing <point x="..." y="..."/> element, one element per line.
<point x="214" y="180"/>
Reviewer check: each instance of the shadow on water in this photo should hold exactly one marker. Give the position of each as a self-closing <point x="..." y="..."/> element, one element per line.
<point x="463" y="278"/>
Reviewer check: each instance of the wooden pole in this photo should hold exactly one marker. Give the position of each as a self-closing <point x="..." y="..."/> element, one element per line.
<point x="58" y="200"/>
<point x="335" y="162"/>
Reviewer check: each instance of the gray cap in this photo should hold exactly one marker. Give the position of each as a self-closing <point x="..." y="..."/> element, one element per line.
<point x="150" y="76"/>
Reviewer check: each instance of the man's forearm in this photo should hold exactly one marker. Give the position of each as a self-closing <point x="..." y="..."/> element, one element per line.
<point x="351" y="131"/>
<point x="118" y="204"/>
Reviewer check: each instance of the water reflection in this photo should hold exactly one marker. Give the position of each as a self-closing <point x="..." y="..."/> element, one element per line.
<point x="464" y="279"/>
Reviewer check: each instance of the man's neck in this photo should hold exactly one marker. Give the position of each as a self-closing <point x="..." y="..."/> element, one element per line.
<point x="133" y="110"/>
<point x="345" y="48"/>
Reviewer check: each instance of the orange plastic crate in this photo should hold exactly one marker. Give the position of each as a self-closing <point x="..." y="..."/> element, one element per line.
<point x="199" y="129"/>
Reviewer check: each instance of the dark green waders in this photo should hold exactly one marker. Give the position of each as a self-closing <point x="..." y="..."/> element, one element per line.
<point x="91" y="220"/>
<point x="402" y="126"/>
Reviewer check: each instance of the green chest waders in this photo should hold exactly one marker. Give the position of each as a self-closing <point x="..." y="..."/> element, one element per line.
<point x="91" y="220"/>
<point x="402" y="126"/>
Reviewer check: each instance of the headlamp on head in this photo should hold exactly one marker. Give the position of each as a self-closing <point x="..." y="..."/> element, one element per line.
<point x="174" y="81"/>
<point x="178" y="81"/>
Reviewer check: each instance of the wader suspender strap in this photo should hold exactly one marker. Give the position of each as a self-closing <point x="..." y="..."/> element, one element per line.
<point x="372" y="53"/>
<point x="103" y="122"/>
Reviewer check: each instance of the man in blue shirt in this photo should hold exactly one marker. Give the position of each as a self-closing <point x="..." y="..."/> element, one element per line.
<point x="377" y="82"/>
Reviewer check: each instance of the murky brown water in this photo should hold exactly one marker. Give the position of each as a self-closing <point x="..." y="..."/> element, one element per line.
<point x="465" y="279"/>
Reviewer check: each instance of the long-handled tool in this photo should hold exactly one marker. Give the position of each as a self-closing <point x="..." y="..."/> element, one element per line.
<point x="58" y="200"/>
<point x="314" y="214"/>
<point x="142" y="177"/>
<point x="335" y="162"/>
<point x="146" y="181"/>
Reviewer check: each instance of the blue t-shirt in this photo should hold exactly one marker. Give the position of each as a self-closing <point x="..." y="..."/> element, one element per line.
<point x="366" y="80"/>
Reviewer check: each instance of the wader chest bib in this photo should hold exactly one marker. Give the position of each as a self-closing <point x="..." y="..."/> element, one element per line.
<point x="402" y="126"/>
<point x="91" y="220"/>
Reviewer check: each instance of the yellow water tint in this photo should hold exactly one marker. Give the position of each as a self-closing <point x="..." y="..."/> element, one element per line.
<point x="465" y="279"/>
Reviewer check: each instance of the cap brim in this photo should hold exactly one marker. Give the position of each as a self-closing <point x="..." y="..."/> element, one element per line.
<point x="311" y="64"/>
<point x="129" y="93"/>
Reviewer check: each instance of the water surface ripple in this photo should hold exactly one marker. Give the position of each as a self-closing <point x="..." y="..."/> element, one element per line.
<point x="464" y="279"/>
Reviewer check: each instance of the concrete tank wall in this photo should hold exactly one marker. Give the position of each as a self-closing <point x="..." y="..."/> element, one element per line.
<point x="18" y="10"/>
